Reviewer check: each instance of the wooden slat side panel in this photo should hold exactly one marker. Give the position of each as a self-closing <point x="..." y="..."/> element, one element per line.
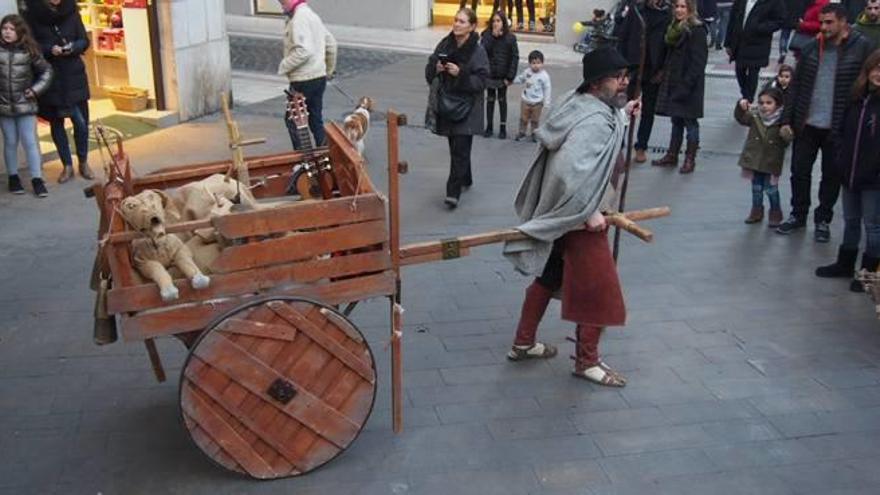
<point x="300" y="246"/>
<point x="224" y="435"/>
<point x="256" y="376"/>
<point x="146" y="296"/>
<point x="197" y="317"/>
<point x="237" y="326"/>
<point x="300" y="216"/>
<point x="348" y="163"/>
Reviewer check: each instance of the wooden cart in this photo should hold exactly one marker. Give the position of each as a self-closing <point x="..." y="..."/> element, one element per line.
<point x="277" y="381"/>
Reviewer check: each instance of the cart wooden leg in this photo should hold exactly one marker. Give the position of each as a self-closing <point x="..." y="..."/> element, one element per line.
<point x="155" y="360"/>
<point x="395" y="168"/>
<point x="396" y="365"/>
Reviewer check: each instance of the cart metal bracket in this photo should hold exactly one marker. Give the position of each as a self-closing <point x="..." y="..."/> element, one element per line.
<point x="282" y="391"/>
<point x="451" y="248"/>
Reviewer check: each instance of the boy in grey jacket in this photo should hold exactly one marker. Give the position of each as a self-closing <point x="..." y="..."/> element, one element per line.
<point x="536" y="94"/>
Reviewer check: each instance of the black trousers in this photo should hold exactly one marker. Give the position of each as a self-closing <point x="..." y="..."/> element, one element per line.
<point x="530" y="4"/>
<point x="493" y="94"/>
<point x="459" y="165"/>
<point x="504" y="5"/>
<point x="807" y="145"/>
<point x="464" y="2"/>
<point x="747" y="78"/>
<point x="649" y="107"/>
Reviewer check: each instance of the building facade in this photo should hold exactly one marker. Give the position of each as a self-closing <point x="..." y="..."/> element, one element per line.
<point x="554" y="19"/>
<point x="177" y="51"/>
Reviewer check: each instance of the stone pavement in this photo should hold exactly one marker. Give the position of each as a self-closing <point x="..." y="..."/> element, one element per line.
<point x="747" y="374"/>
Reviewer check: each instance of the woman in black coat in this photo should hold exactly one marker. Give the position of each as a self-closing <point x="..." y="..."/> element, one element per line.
<point x="682" y="83"/>
<point x="749" y="39"/>
<point x="61" y="35"/>
<point x="503" y="52"/>
<point x="858" y="162"/>
<point x="457" y="72"/>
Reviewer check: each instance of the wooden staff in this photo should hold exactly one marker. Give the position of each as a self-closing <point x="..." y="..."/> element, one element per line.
<point x="632" y="126"/>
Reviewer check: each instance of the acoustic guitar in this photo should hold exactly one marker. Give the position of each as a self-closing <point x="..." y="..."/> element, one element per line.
<point x="312" y="179"/>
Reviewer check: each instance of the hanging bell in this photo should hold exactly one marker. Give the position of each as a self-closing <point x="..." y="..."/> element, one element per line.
<point x="105" y="324"/>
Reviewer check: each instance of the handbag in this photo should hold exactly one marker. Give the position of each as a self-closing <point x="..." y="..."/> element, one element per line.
<point x="453" y="107"/>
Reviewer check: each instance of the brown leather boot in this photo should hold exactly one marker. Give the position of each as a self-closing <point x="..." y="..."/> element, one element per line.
<point x="774" y="218"/>
<point x="85" y="172"/>
<point x="690" y="158"/>
<point x="670" y="159"/>
<point x="641" y="156"/>
<point x="66" y="174"/>
<point x="755" y="216"/>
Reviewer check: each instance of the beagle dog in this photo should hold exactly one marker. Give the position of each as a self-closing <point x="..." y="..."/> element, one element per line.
<point x="357" y="123"/>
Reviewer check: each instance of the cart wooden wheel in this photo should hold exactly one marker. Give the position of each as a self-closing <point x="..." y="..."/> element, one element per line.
<point x="277" y="387"/>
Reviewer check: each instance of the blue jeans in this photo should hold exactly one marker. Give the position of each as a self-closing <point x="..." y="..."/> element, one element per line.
<point x="21" y="129"/>
<point x="762" y="183"/>
<point x="719" y="29"/>
<point x="313" y="90"/>
<point x="679" y="125"/>
<point x="861" y="207"/>
<point x="79" y="115"/>
<point x="784" y="39"/>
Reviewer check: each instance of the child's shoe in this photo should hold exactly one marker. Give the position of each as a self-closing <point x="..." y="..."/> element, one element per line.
<point x="15" y="185"/>
<point x="755" y="216"/>
<point x="39" y="187"/>
<point x="519" y="137"/>
<point x="774" y="218"/>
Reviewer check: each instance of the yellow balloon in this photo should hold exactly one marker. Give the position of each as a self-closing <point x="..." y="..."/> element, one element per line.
<point x="578" y="27"/>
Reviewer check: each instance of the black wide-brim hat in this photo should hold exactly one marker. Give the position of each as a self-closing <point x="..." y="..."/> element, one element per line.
<point x="602" y="62"/>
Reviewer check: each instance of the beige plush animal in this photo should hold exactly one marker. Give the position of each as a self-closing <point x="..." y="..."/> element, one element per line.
<point x="157" y="251"/>
<point x="357" y="123"/>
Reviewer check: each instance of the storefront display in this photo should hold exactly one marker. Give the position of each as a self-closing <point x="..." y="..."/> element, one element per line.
<point x="536" y="16"/>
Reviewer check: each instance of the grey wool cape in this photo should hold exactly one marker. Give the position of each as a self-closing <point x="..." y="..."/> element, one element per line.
<point x="580" y="139"/>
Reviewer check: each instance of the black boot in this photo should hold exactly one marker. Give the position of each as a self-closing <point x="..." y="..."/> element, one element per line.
<point x="843" y="267"/>
<point x="490" y="115"/>
<point x="502" y="132"/>
<point x="869" y="264"/>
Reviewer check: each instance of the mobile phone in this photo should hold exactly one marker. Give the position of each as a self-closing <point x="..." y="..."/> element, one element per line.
<point x="443" y="58"/>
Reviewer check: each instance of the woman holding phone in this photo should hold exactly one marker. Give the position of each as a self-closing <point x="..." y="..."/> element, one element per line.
<point x="457" y="73"/>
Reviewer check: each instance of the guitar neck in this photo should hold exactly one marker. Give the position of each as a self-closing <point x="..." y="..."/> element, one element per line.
<point x="305" y="138"/>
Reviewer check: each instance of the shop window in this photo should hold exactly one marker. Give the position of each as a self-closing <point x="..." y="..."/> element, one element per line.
<point x="271" y="7"/>
<point x="536" y="16"/>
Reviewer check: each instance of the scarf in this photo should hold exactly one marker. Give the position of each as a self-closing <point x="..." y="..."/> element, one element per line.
<point x="674" y="32"/>
<point x="289" y="6"/>
<point x="864" y="21"/>
<point x="772" y="118"/>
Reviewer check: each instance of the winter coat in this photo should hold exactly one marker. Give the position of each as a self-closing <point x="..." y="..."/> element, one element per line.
<point x="503" y="53"/>
<point x="20" y="71"/>
<point x="794" y="12"/>
<point x="858" y="152"/>
<point x="708" y="9"/>
<point x="871" y="30"/>
<point x="684" y="76"/>
<point x="851" y="54"/>
<point x="750" y="43"/>
<point x="810" y="23"/>
<point x="51" y="27"/>
<point x="629" y="31"/>
<point x="309" y="48"/>
<point x="764" y="149"/>
<point x="473" y="62"/>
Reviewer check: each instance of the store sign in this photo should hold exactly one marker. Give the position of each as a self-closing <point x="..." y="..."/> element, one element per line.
<point x="135" y="4"/>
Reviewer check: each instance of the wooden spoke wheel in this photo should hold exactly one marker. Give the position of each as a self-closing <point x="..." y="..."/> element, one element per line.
<point x="277" y="387"/>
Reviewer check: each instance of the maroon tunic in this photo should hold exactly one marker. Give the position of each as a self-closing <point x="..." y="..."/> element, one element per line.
<point x="591" y="293"/>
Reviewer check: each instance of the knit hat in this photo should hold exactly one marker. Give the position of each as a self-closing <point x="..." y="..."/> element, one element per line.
<point x="602" y="62"/>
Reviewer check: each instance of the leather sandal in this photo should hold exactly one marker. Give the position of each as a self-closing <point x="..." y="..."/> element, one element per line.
<point x="600" y="375"/>
<point x="538" y="350"/>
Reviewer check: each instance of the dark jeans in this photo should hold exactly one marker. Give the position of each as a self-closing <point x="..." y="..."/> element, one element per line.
<point x="646" y="121"/>
<point x="530" y="4"/>
<point x="504" y="5"/>
<point x="79" y="115"/>
<point x="747" y="78"/>
<point x="784" y="39"/>
<point x="313" y="90"/>
<point x="861" y="207"/>
<point x="680" y="124"/>
<point x="493" y="94"/>
<point x="807" y="144"/>
<point x="459" y="165"/>
<point x="719" y="30"/>
<point x="762" y="183"/>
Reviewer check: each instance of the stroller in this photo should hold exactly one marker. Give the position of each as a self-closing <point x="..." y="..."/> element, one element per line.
<point x="597" y="32"/>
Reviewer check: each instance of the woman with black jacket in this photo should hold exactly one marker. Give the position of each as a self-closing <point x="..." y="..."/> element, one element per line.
<point x="683" y="83"/>
<point x="59" y="31"/>
<point x="457" y="72"/>
<point x="858" y="161"/>
<point x="503" y="52"/>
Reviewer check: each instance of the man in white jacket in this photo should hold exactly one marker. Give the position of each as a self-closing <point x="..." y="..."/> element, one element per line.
<point x="309" y="59"/>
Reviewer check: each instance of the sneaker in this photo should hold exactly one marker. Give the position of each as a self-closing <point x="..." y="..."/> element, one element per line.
<point x="822" y="233"/>
<point x="519" y="26"/>
<point x="39" y="188"/>
<point x="15" y="185"/>
<point x="488" y="133"/>
<point x="450" y="202"/>
<point x="532" y="26"/>
<point x="519" y="137"/>
<point x="793" y="223"/>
